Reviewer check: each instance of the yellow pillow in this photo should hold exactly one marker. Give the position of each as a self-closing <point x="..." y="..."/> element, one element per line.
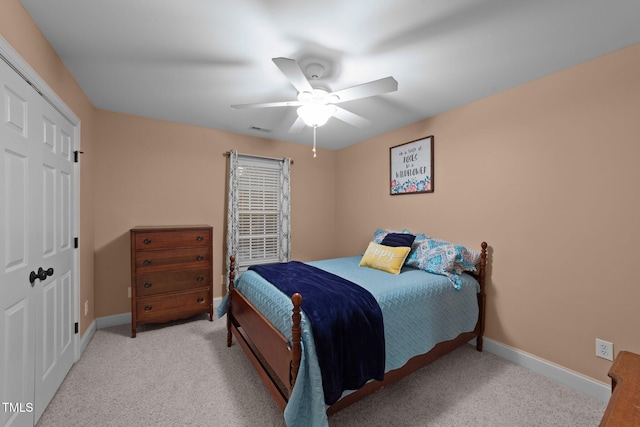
<point x="385" y="258"/>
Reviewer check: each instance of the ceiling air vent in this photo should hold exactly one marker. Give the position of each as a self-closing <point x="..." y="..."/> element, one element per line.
<point x="259" y="129"/>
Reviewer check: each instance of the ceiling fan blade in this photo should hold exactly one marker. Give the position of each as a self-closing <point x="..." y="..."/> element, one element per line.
<point x="268" y="104"/>
<point x="376" y="87"/>
<point x="351" y="118"/>
<point x="294" y="73"/>
<point x="297" y="126"/>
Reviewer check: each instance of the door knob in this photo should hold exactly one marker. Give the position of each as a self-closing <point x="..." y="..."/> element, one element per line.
<point x="41" y="274"/>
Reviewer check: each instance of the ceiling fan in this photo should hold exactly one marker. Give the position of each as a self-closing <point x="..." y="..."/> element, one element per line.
<point x="316" y="105"/>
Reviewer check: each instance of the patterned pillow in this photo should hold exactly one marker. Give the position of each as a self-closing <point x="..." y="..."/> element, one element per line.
<point x="441" y="260"/>
<point x="385" y="258"/>
<point x="412" y="259"/>
<point x="378" y="235"/>
<point x="449" y="259"/>
<point x="466" y="259"/>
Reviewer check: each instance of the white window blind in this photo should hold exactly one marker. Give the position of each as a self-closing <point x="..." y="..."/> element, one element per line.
<point x="258" y="211"/>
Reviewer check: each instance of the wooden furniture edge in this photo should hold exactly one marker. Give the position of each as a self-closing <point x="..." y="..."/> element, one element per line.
<point x="480" y="276"/>
<point x="281" y="395"/>
<point x="623" y="408"/>
<point x="134" y="317"/>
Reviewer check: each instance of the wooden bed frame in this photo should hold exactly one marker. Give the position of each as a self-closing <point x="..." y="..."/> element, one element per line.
<point x="277" y="361"/>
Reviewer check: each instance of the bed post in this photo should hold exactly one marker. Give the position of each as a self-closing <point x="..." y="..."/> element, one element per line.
<point x="232" y="276"/>
<point x="296" y="337"/>
<point x="481" y="295"/>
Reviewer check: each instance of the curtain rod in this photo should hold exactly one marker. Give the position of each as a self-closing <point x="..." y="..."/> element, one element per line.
<point x="226" y="154"/>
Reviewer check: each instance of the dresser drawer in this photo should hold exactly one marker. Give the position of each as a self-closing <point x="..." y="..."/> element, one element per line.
<point x="173" y="306"/>
<point x="170" y="281"/>
<point x="148" y="261"/>
<point x="153" y="240"/>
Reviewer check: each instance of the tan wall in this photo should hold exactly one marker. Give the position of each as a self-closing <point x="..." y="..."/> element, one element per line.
<point x="150" y="172"/>
<point x="19" y="30"/>
<point x="547" y="173"/>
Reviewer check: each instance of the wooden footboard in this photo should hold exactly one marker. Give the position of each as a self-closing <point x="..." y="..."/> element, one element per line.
<point x="277" y="361"/>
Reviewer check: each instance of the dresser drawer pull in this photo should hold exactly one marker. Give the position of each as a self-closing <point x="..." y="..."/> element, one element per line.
<point x="147" y="285"/>
<point x="147" y="308"/>
<point x="200" y="300"/>
<point x="146" y="241"/>
<point x="146" y="262"/>
<point x="199" y="238"/>
<point x="200" y="278"/>
<point x="200" y="258"/>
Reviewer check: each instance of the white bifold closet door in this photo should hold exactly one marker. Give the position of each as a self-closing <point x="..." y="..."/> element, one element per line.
<point x="36" y="250"/>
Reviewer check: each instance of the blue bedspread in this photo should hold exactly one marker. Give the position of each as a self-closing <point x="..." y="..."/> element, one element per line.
<point x="346" y="322"/>
<point x="419" y="310"/>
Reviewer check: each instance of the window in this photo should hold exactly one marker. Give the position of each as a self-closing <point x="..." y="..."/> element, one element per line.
<point x="258" y="211"/>
<point x="258" y="214"/>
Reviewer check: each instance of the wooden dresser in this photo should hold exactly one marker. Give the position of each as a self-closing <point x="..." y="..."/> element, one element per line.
<point x="171" y="273"/>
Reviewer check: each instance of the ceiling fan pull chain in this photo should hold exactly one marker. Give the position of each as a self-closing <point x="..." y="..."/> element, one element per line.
<point x="314" y="142"/>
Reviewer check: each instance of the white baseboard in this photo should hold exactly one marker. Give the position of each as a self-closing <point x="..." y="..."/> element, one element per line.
<point x="86" y="338"/>
<point x="113" y="320"/>
<point x="578" y="382"/>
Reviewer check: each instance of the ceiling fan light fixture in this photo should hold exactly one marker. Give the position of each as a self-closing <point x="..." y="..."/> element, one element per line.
<point x="317" y="96"/>
<point x="315" y="71"/>
<point x="315" y="101"/>
<point x="315" y="115"/>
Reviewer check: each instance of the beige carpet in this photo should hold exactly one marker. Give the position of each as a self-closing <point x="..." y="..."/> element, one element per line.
<point x="183" y="374"/>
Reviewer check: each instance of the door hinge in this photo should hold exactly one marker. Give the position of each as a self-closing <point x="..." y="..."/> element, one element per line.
<point x="75" y="243"/>
<point x="76" y="327"/>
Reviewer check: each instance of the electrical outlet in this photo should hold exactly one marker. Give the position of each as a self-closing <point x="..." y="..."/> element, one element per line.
<point x="604" y="349"/>
<point x="129" y="291"/>
<point x="86" y="307"/>
<point x="222" y="279"/>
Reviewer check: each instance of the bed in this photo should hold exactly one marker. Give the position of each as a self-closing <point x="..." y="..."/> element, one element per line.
<point x="275" y="334"/>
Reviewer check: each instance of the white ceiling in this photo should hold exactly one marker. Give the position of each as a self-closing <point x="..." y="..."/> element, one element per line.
<point x="188" y="60"/>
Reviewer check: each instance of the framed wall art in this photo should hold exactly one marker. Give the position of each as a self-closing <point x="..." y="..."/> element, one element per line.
<point x="412" y="167"/>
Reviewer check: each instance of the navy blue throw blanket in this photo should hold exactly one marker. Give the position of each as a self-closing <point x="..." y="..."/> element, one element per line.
<point x="346" y="322"/>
